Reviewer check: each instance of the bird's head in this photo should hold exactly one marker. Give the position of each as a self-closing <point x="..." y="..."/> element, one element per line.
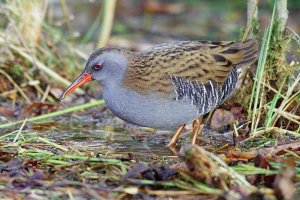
<point x="104" y="65"/>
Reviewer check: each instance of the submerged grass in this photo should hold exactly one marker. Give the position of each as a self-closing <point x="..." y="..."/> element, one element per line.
<point x="56" y="113"/>
<point x="70" y="166"/>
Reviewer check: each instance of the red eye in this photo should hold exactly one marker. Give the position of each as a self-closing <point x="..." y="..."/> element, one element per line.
<point x="97" y="66"/>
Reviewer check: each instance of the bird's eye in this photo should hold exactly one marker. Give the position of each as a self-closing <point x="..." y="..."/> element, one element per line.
<point x="97" y="66"/>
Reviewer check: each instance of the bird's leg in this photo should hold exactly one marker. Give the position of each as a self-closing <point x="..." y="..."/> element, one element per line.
<point x="197" y="128"/>
<point x="175" y="137"/>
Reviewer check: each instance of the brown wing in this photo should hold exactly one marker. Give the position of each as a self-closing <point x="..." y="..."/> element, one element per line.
<point x="150" y="70"/>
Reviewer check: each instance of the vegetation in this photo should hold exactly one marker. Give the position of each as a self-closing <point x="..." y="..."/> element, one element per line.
<point x="47" y="151"/>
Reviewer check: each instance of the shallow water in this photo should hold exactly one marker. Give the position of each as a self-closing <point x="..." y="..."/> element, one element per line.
<point x="144" y="144"/>
<point x="100" y="132"/>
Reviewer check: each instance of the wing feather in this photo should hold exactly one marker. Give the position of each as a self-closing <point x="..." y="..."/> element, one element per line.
<point x="200" y="61"/>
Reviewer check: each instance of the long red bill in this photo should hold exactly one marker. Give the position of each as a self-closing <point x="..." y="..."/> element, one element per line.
<point x="82" y="79"/>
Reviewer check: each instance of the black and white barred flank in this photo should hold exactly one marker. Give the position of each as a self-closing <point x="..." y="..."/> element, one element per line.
<point x="204" y="96"/>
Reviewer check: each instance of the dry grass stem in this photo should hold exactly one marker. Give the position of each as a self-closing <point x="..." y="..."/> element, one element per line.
<point x="52" y="144"/>
<point x="20" y="131"/>
<point x="16" y="86"/>
<point x="44" y="68"/>
<point x="168" y="192"/>
<point x="286" y="115"/>
<point x="289" y="97"/>
<point x="109" y="12"/>
<point x="235" y="131"/>
<point x="273" y="129"/>
<point x="46" y="93"/>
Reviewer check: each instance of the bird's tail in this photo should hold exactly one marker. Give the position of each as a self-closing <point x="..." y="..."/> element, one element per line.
<point x="250" y="49"/>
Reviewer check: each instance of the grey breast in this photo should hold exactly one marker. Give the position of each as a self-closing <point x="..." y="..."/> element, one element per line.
<point x="204" y="96"/>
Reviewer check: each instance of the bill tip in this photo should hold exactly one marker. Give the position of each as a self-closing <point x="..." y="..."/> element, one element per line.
<point x="62" y="97"/>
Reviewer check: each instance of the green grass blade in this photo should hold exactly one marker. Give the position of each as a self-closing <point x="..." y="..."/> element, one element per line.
<point x="271" y="115"/>
<point x="260" y="71"/>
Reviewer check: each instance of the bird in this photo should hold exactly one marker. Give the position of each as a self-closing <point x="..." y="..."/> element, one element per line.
<point x="169" y="85"/>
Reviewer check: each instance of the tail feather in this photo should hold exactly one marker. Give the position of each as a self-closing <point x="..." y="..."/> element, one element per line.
<point x="250" y="50"/>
